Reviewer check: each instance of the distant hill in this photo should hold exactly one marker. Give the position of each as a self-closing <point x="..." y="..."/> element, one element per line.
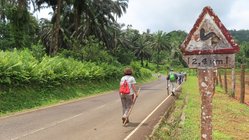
<point x="240" y="35"/>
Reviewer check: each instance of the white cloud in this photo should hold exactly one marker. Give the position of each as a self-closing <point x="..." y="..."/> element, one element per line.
<point x="239" y="15"/>
<point x="44" y="13"/>
<point x="168" y="15"/>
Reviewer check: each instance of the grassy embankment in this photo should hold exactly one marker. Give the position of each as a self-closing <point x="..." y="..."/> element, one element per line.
<point x="230" y="118"/>
<point x="29" y="98"/>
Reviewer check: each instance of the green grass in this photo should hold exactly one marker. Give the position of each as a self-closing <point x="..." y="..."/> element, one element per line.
<point x="191" y="128"/>
<point x="28" y="98"/>
<point x="230" y="119"/>
<point x="169" y="128"/>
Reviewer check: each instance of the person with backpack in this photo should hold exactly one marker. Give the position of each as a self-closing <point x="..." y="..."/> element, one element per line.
<point x="127" y="92"/>
<point x="172" y="81"/>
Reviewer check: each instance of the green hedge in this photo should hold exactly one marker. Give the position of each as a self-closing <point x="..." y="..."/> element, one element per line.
<point x="21" y="68"/>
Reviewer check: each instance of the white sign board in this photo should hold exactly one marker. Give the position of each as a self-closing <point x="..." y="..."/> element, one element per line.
<point x="210" y="60"/>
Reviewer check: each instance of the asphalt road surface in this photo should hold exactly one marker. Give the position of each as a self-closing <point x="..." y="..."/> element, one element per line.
<point x="94" y="118"/>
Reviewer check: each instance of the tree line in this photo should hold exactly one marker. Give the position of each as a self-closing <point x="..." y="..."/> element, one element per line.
<point x="242" y="37"/>
<point x="85" y="30"/>
<point x="88" y="30"/>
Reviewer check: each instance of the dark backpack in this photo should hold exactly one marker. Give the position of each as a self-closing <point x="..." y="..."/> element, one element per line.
<point x="124" y="88"/>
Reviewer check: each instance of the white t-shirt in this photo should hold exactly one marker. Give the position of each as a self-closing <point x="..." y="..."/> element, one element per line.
<point x="130" y="80"/>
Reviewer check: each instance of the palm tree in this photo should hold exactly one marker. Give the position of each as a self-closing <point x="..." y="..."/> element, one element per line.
<point x="142" y="47"/>
<point x="160" y="42"/>
<point x="84" y="18"/>
<point x="56" y="29"/>
<point x="97" y="18"/>
<point x="175" y="39"/>
<point x="3" y="6"/>
<point x="15" y="16"/>
<point x="54" y="32"/>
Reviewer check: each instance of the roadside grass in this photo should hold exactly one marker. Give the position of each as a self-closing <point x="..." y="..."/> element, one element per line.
<point x="30" y="98"/>
<point x="191" y="126"/>
<point x="169" y="127"/>
<point x="22" y="99"/>
<point x="230" y="119"/>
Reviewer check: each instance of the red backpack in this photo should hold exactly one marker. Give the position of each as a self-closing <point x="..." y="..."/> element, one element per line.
<point x="124" y="88"/>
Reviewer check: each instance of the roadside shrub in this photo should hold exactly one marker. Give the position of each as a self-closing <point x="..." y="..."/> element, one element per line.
<point x="140" y="71"/>
<point x="21" y="68"/>
<point x="145" y="73"/>
<point x="15" y="67"/>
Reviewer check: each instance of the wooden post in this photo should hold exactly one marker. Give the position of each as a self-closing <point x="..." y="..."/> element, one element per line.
<point x="242" y="84"/>
<point x="216" y="77"/>
<point x="233" y="82"/>
<point x="225" y="80"/>
<point x="221" y="85"/>
<point x="206" y="87"/>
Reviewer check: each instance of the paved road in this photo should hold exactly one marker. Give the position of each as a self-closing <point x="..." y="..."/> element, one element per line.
<point x="95" y="118"/>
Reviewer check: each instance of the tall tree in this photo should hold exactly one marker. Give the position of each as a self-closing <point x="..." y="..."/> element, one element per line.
<point x="84" y="18"/>
<point x="56" y="28"/>
<point x="142" y="47"/>
<point x="175" y="39"/>
<point x="160" y="43"/>
<point x="243" y="56"/>
<point x="19" y="23"/>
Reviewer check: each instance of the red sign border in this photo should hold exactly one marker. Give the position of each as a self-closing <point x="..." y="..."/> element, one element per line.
<point x="235" y="48"/>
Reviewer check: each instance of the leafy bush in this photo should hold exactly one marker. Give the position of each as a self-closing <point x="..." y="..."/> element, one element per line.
<point x="145" y="73"/>
<point x="140" y="71"/>
<point x="20" y="67"/>
<point x="38" y="51"/>
<point x="16" y="66"/>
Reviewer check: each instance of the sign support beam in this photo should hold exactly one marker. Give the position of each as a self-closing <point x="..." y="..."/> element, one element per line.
<point x="206" y="87"/>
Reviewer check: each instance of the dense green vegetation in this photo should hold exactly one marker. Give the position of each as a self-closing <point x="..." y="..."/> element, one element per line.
<point x="92" y="47"/>
<point x="86" y="31"/>
<point x="229" y="118"/>
<point x="80" y="44"/>
<point x="240" y="35"/>
<point x="242" y="38"/>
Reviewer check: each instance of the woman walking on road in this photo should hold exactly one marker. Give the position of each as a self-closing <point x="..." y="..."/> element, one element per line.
<point x="127" y="97"/>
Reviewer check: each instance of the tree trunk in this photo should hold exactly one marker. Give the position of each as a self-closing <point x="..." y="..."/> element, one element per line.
<point x="56" y="28"/>
<point x="142" y="61"/>
<point x="22" y="5"/>
<point x="76" y="16"/>
<point x="158" y="52"/>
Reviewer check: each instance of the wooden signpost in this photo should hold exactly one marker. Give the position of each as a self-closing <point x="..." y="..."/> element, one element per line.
<point x="207" y="47"/>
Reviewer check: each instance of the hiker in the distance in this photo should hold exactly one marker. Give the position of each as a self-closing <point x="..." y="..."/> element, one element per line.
<point x="127" y="98"/>
<point x="180" y="76"/>
<point x="172" y="81"/>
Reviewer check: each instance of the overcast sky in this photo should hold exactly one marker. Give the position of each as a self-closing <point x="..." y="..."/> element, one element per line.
<point x="169" y="15"/>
